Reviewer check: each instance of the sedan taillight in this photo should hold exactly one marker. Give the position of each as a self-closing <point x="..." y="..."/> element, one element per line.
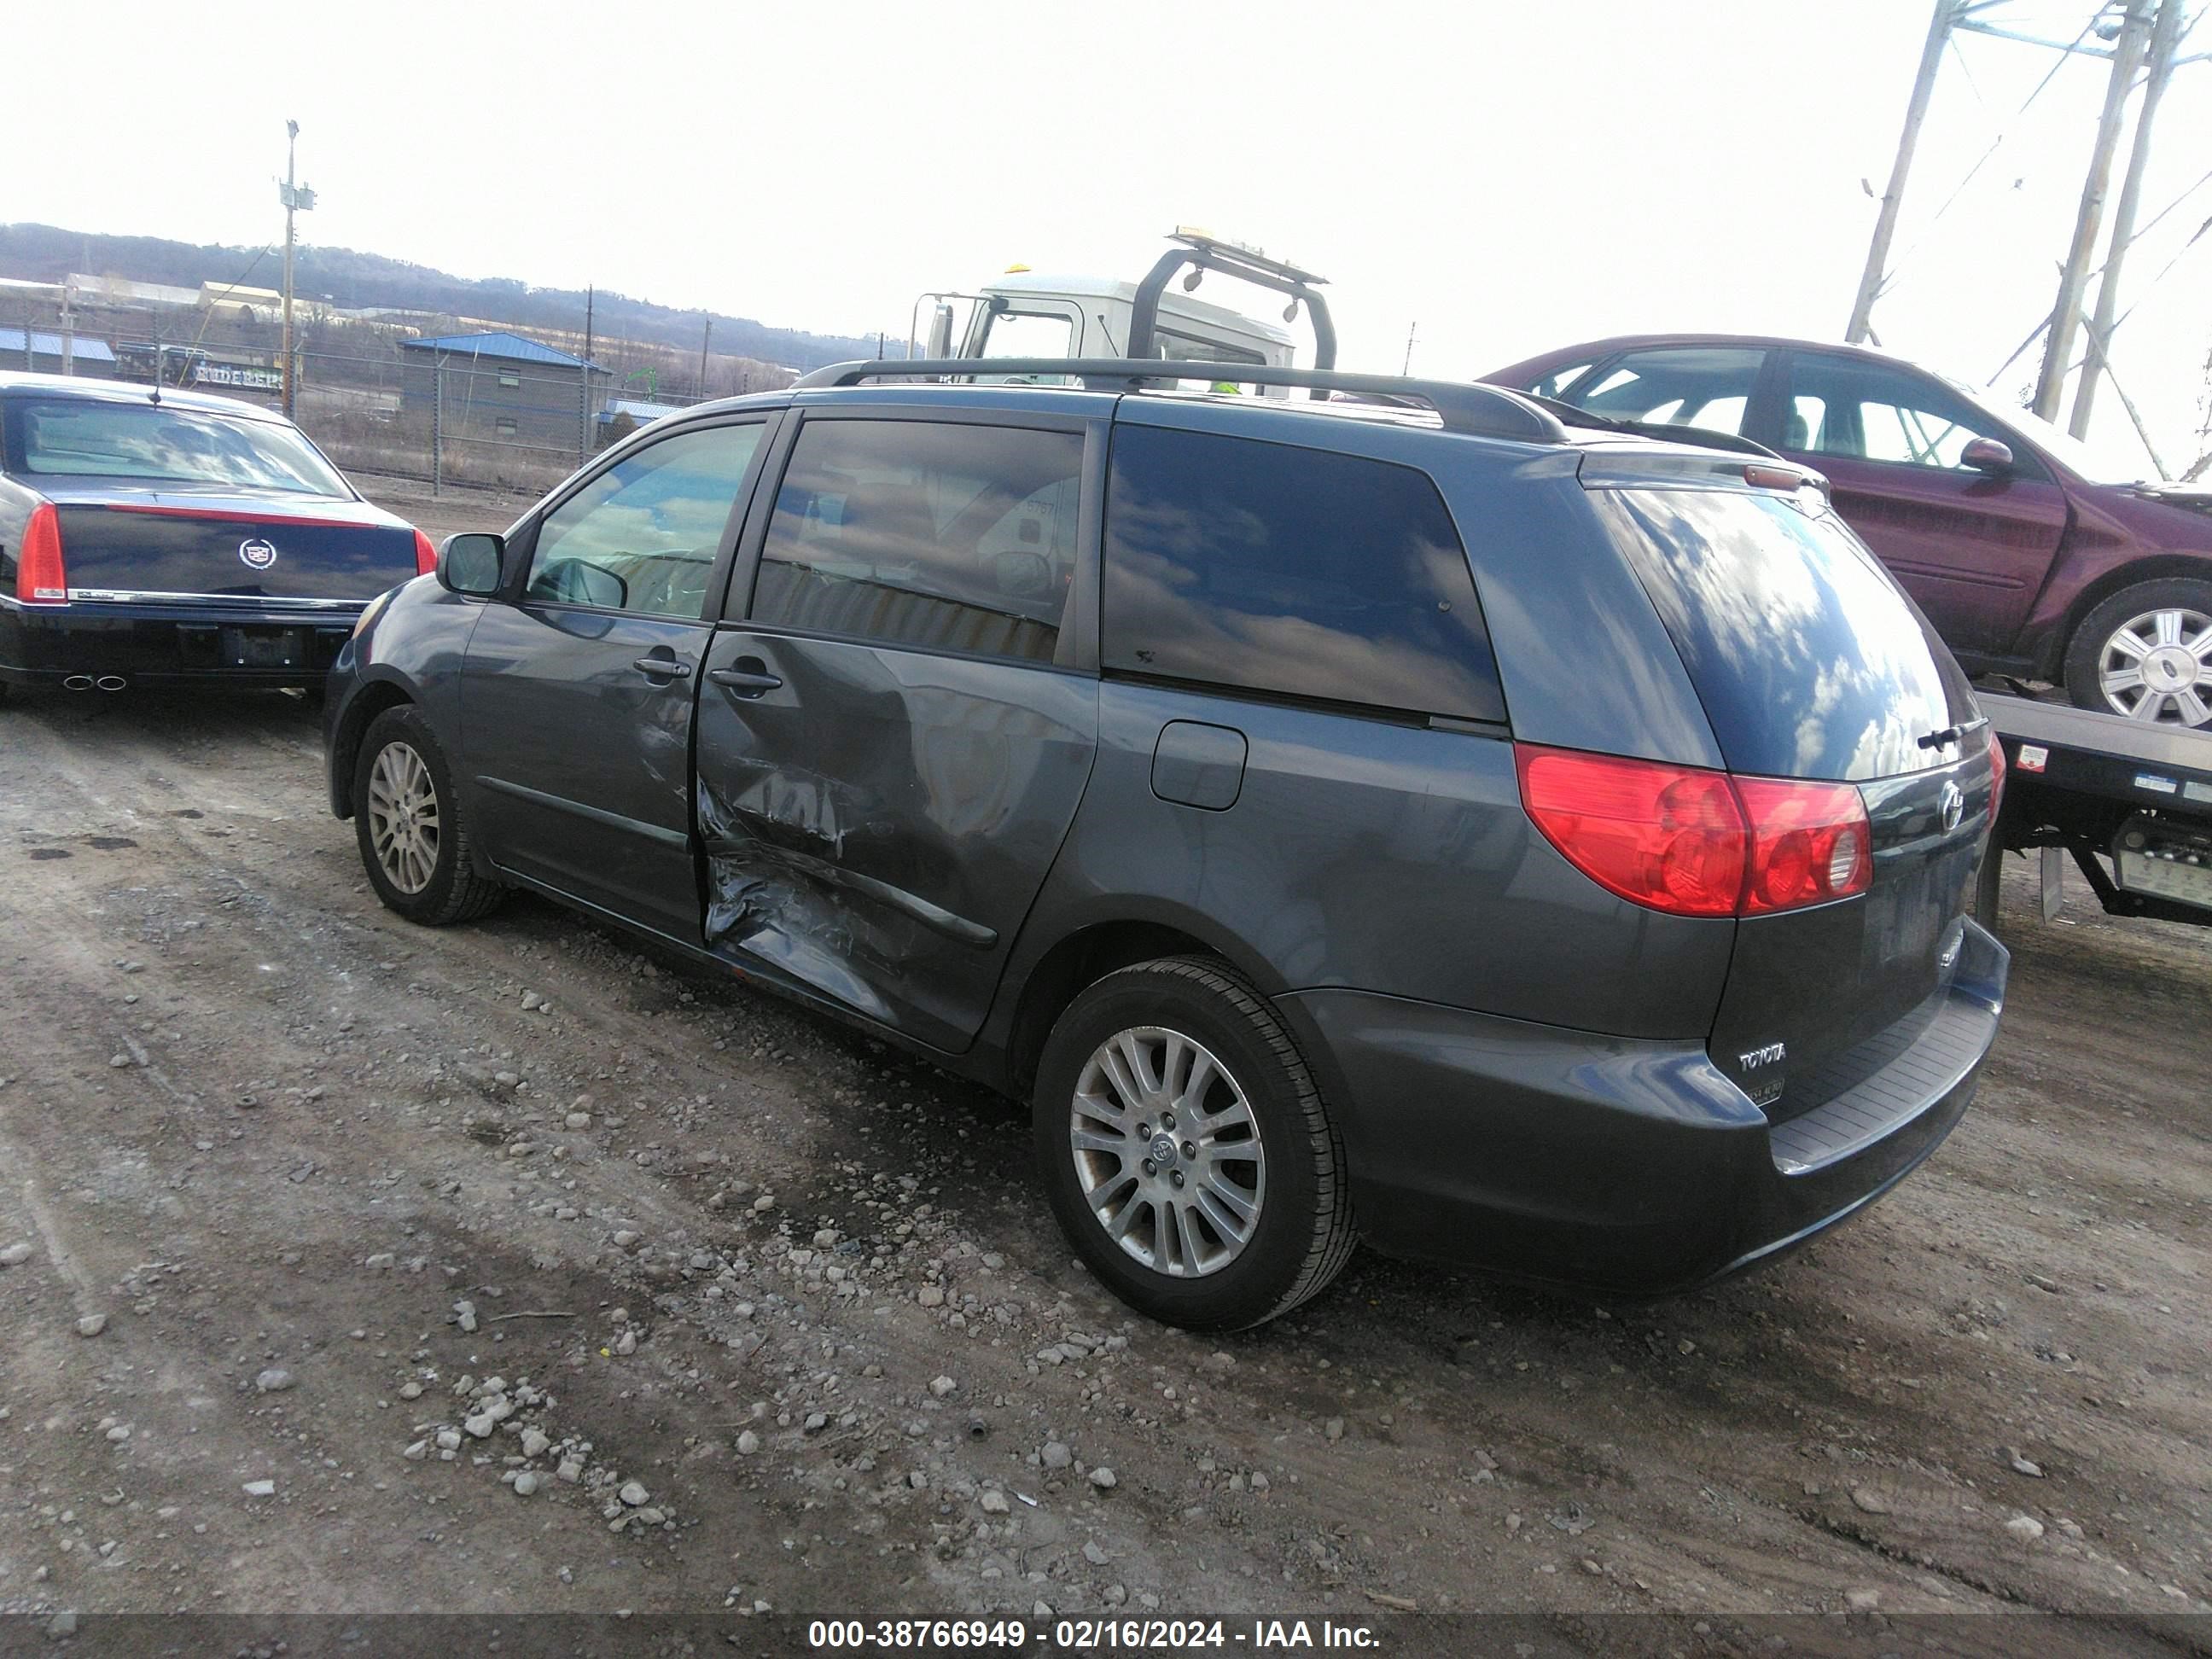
<point x="426" y="556"/>
<point x="1694" y="842"/>
<point x="1997" y="773"/>
<point x="39" y="578"/>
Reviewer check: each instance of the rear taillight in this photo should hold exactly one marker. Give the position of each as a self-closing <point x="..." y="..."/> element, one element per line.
<point x="1694" y="842"/>
<point x="1668" y="837"/>
<point x="426" y="556"/>
<point x="39" y="578"/>
<point x="1997" y="773"/>
<point x="1810" y="842"/>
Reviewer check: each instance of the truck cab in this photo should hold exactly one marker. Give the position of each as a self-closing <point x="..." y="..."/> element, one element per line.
<point x="1030" y="314"/>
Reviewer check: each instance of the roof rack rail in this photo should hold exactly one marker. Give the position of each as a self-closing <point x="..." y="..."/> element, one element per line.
<point x="1470" y="407"/>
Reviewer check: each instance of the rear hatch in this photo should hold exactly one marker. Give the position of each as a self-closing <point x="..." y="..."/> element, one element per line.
<point x="1812" y="664"/>
<point x="237" y="546"/>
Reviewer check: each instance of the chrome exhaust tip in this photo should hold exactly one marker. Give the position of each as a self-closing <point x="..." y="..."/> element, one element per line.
<point x="111" y="682"/>
<point x="77" y="682"/>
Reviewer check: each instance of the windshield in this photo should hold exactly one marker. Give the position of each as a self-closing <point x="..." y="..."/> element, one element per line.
<point x="1809" y="661"/>
<point x="73" y="439"/>
<point x="2102" y="461"/>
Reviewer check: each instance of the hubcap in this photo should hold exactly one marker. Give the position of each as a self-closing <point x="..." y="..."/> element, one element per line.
<point x="403" y="817"/>
<point x="1167" y="1152"/>
<point x="2157" y="668"/>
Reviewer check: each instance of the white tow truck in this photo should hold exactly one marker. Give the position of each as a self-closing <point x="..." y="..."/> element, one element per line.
<point x="1028" y="314"/>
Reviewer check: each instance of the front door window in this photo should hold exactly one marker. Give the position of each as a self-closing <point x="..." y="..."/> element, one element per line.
<point x="643" y="536"/>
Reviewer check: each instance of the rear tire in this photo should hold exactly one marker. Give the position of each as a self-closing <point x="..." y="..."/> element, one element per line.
<point x="407" y="820"/>
<point x="2146" y="652"/>
<point x="1261" y="1219"/>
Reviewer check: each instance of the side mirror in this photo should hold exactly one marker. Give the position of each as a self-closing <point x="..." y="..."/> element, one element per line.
<point x="1987" y="455"/>
<point x="940" y="333"/>
<point x="579" y="581"/>
<point x="473" y="563"/>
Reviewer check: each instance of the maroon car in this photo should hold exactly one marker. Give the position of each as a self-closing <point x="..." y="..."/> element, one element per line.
<point x="2030" y="560"/>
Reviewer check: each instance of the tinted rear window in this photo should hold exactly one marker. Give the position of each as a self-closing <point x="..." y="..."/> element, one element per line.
<point x="71" y="438"/>
<point x="1809" y="661"/>
<point x="1299" y="572"/>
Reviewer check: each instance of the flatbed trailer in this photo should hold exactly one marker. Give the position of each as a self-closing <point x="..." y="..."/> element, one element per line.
<point x="2131" y="802"/>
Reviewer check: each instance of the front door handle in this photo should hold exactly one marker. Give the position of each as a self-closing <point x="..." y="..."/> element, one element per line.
<point x="663" y="668"/>
<point x="746" y="683"/>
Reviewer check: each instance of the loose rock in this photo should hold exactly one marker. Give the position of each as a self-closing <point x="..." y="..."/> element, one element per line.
<point x="92" y="1325"/>
<point x="1103" y="1478"/>
<point x="274" y="1380"/>
<point x="15" y="1256"/>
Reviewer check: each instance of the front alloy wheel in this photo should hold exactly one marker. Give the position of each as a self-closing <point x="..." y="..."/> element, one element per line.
<point x="1167" y="1153"/>
<point x="403" y="817"/>
<point x="413" y="834"/>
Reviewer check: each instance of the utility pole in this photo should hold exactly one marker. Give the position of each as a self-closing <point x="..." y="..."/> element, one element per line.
<point x="584" y="388"/>
<point x="297" y="199"/>
<point x="703" y="339"/>
<point x="1885" y="224"/>
<point x="2074" y="278"/>
<point x="2164" y="37"/>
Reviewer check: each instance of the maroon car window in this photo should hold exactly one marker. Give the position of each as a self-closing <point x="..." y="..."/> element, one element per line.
<point x="1869" y="411"/>
<point x="1707" y="386"/>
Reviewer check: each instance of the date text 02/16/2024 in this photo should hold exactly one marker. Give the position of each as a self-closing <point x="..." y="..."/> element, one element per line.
<point x="1085" y="1635"/>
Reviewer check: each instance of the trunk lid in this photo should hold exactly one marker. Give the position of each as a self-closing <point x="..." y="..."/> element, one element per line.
<point x="233" y="546"/>
<point x="1813" y="664"/>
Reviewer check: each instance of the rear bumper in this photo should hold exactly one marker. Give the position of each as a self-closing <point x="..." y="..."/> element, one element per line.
<point x="1630" y="1167"/>
<point x="150" y="644"/>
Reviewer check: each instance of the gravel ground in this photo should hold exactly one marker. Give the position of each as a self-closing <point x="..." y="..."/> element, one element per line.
<point x="349" y="1267"/>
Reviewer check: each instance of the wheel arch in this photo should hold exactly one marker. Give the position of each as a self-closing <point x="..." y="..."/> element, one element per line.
<point x="1087" y="953"/>
<point x="371" y="700"/>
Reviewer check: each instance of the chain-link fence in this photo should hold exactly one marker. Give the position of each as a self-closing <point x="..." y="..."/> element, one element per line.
<point x="501" y="411"/>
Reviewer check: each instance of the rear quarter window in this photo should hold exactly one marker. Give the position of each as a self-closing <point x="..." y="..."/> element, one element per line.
<point x="1293" y="572"/>
<point x="1809" y="660"/>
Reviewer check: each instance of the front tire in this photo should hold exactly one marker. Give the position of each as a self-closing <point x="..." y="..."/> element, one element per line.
<point x="413" y="843"/>
<point x="2146" y="652"/>
<point x="1186" y="1149"/>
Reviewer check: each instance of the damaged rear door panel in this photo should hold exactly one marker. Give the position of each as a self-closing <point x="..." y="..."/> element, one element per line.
<point x="893" y="742"/>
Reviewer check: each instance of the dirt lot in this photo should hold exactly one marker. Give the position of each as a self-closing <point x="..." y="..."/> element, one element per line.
<point x="801" y="1293"/>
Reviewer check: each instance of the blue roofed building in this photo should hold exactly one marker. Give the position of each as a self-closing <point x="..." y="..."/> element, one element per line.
<point x="501" y="388"/>
<point x="40" y="353"/>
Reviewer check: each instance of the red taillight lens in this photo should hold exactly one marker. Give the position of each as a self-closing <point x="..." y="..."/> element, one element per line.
<point x="1694" y="842"/>
<point x="1670" y="837"/>
<point x="39" y="578"/>
<point x="1810" y="842"/>
<point x="426" y="556"/>
<point x="1996" y="773"/>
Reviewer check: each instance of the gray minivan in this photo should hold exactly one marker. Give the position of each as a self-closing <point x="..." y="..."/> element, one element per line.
<point x="1413" y="812"/>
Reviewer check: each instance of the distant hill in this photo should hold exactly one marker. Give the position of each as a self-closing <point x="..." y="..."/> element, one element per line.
<point x="349" y="279"/>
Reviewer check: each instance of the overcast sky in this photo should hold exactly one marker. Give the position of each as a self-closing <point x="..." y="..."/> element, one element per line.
<point x="1504" y="177"/>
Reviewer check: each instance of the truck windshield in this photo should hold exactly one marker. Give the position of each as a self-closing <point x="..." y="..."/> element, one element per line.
<point x="1810" y="661"/>
<point x="70" y="438"/>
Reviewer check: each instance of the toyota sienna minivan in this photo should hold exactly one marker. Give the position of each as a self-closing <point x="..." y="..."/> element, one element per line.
<point x="1394" y="814"/>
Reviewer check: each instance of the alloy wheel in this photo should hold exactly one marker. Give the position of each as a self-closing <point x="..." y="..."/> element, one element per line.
<point x="2157" y="667"/>
<point x="402" y="817"/>
<point x="1167" y="1152"/>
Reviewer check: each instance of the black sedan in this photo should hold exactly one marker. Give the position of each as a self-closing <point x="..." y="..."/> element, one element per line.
<point x="152" y="537"/>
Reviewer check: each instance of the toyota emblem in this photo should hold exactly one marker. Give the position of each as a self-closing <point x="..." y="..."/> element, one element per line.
<point x="255" y="554"/>
<point x="1953" y="806"/>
